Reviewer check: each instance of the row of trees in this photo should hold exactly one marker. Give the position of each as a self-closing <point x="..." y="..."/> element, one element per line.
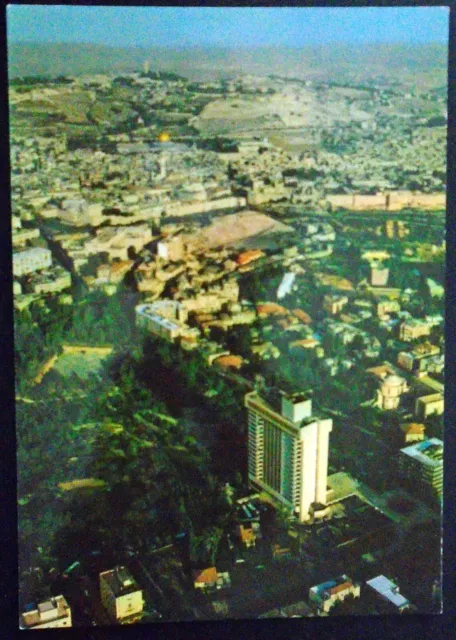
<point x="186" y="380"/>
<point x="158" y="478"/>
<point x="94" y="320"/>
<point x="38" y="334"/>
<point x="100" y="319"/>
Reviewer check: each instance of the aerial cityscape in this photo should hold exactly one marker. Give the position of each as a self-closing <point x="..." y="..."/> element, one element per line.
<point x="228" y="275"/>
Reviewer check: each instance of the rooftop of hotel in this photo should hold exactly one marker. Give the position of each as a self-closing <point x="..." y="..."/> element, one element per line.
<point x="271" y="399"/>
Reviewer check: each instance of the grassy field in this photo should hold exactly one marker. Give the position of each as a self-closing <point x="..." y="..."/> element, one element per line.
<point x="79" y="364"/>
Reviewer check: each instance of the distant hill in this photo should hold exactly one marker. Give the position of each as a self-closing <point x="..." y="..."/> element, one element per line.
<point x="333" y="62"/>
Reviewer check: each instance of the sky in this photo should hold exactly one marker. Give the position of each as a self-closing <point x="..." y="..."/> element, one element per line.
<point x="225" y="26"/>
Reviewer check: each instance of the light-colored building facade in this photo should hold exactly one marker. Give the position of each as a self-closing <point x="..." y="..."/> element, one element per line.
<point x="51" y="614"/>
<point x="428" y="405"/>
<point x="119" y="241"/>
<point x="288" y="452"/>
<point x="422" y="465"/>
<point x="413" y="432"/>
<point x="405" y="360"/>
<point x="323" y="596"/>
<point x="379" y="275"/>
<point x="171" y="249"/>
<point x="31" y="260"/>
<point x="413" y="329"/>
<point x="334" y="304"/>
<point x="25" y="235"/>
<point x="385" y="307"/>
<point x="147" y="316"/>
<point x="419" y="357"/>
<point x="390" y="392"/>
<point x="166" y="319"/>
<point x="178" y="209"/>
<point x="51" y="281"/>
<point x="121" y="596"/>
<point x="214" y="297"/>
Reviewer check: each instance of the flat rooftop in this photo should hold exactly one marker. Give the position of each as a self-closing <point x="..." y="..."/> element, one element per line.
<point x="271" y="400"/>
<point x="31" y="252"/>
<point x="120" y="581"/>
<point x="331" y="587"/>
<point x="300" y="396"/>
<point x="429" y="452"/>
<point x="388" y="590"/>
<point x="52" y="609"/>
<point x="153" y="313"/>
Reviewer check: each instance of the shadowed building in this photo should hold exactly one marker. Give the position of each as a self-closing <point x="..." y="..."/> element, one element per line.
<point x="422" y="464"/>
<point x="121" y="596"/>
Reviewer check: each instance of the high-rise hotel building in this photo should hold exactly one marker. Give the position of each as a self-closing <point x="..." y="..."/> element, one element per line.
<point x="288" y="451"/>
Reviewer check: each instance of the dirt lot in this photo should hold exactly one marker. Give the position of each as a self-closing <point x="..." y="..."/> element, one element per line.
<point x="231" y="229"/>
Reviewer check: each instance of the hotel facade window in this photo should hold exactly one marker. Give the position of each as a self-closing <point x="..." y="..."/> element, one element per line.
<point x="288" y="452"/>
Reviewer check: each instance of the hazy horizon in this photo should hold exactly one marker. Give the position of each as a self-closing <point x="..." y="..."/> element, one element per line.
<point x="225" y="27"/>
<point x="340" y="43"/>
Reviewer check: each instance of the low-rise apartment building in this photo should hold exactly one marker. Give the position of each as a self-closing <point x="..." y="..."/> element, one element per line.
<point x="50" y="280"/>
<point x="50" y="614"/>
<point x="121" y="596"/>
<point x="413" y="432"/>
<point x="323" y="596"/>
<point x="428" y="405"/>
<point x="213" y="297"/>
<point x="417" y="359"/>
<point x="379" y="275"/>
<point x="25" y="235"/>
<point x="118" y="241"/>
<point x="389" y="594"/>
<point x="385" y="307"/>
<point x="31" y="260"/>
<point x="166" y="319"/>
<point x="413" y="329"/>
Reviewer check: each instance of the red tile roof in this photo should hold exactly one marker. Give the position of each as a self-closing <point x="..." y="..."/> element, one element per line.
<point x="306" y="343"/>
<point x="271" y="308"/>
<point x="249" y="256"/>
<point x="302" y="315"/>
<point x="247" y="534"/>
<point x="413" y="428"/>
<point x="229" y="362"/>
<point x="340" y="587"/>
<point x="205" y="575"/>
